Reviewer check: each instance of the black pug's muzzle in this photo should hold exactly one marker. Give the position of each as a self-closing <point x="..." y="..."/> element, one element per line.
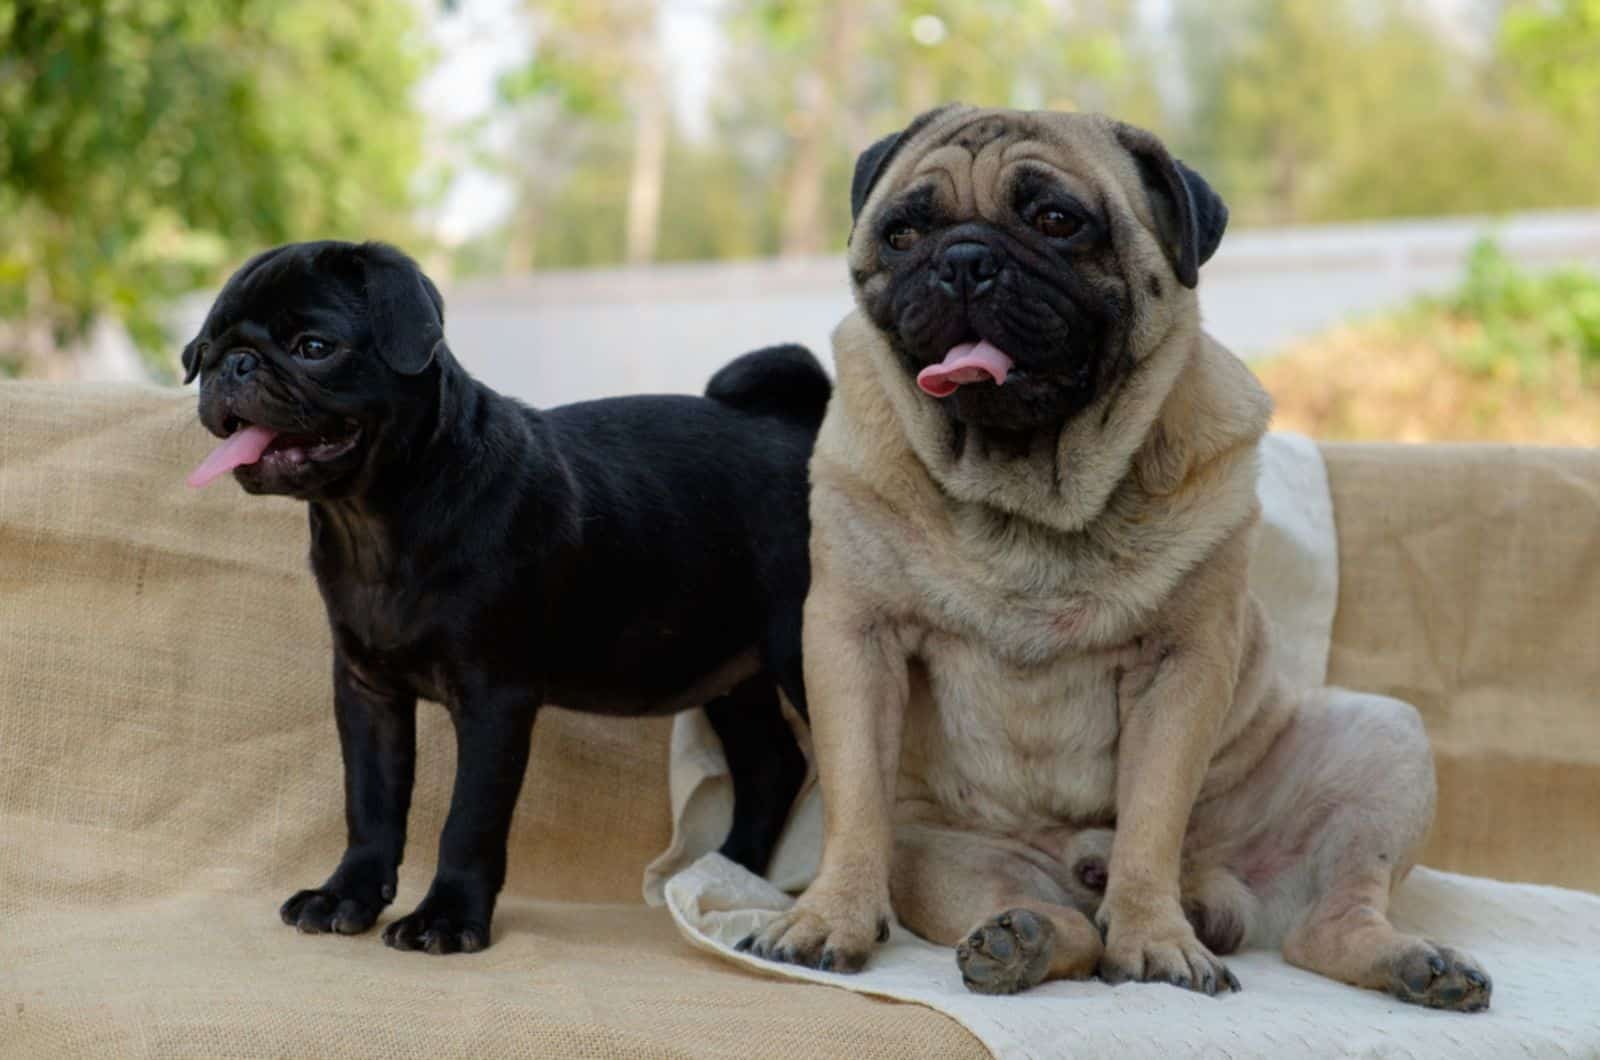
<point x="312" y="362"/>
<point x="272" y="440"/>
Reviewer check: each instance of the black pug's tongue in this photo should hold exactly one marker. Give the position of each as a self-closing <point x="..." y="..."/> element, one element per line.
<point x="243" y="446"/>
<point x="970" y="362"/>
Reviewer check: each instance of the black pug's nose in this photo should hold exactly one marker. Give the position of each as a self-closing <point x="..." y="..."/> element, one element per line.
<point x="241" y="364"/>
<point x="967" y="269"/>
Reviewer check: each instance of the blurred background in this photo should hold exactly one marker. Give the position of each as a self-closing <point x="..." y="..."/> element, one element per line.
<point x="619" y="195"/>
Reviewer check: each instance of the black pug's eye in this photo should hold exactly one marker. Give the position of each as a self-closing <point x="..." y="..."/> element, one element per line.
<point x="311" y="348"/>
<point x="903" y="237"/>
<point x="1057" y="224"/>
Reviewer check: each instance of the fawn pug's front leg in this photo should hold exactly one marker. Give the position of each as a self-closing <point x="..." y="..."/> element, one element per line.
<point x="1171" y="710"/>
<point x="857" y="680"/>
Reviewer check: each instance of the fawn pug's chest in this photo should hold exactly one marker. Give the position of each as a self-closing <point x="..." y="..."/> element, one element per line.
<point x="1024" y="636"/>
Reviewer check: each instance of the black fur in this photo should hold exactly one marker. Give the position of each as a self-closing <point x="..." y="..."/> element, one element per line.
<point x="620" y="556"/>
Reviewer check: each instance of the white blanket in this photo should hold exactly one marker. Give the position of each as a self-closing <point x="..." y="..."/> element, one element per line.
<point x="1540" y="944"/>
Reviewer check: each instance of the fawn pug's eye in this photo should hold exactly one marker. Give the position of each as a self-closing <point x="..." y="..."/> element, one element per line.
<point x="1057" y="224"/>
<point x="902" y="237"/>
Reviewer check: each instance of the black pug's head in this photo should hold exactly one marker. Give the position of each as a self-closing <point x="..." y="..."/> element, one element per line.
<point x="1020" y="263"/>
<point x="316" y="361"/>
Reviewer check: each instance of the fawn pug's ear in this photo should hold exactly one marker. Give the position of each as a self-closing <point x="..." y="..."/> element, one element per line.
<point x="872" y="163"/>
<point x="1189" y="215"/>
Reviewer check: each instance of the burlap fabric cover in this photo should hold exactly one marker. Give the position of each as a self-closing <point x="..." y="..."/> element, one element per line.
<point x="168" y="771"/>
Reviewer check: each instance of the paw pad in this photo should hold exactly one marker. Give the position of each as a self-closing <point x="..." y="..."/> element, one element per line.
<point x="1439" y="977"/>
<point x="1007" y="953"/>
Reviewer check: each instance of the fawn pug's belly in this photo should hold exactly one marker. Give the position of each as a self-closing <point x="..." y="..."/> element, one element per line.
<point x="1004" y="747"/>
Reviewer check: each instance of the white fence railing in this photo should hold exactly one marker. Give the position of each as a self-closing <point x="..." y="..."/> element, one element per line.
<point x="553" y="337"/>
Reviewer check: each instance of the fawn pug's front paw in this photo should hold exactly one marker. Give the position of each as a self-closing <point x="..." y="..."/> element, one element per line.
<point x="834" y="930"/>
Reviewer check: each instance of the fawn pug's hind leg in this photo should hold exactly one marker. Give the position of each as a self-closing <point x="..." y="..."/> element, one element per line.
<point x="1015" y="917"/>
<point x="1329" y="823"/>
<point x="1374" y="756"/>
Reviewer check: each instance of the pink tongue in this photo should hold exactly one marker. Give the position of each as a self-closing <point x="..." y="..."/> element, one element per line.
<point x="242" y="447"/>
<point x="970" y="362"/>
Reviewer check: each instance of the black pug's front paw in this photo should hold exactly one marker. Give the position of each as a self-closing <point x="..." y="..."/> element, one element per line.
<point x="440" y="925"/>
<point x="323" y="911"/>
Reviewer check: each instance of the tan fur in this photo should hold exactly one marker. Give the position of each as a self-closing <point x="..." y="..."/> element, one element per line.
<point x="1002" y="652"/>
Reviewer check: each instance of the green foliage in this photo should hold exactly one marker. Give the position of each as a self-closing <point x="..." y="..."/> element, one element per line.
<point x="1297" y="110"/>
<point x="1529" y="322"/>
<point x="1326" y="110"/>
<point x="145" y="145"/>
<point x="585" y="52"/>
<point x="819" y="76"/>
<point x="1555" y="47"/>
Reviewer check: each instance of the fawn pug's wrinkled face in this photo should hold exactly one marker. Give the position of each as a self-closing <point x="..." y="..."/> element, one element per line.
<point x="1018" y="262"/>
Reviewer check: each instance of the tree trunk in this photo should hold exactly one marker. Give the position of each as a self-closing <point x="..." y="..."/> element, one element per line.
<point x="649" y="149"/>
<point x="830" y="90"/>
<point x="522" y="236"/>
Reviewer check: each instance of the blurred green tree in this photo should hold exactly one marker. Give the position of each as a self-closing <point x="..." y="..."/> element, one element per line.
<point x="831" y="76"/>
<point x="1298" y="110"/>
<point x="147" y="144"/>
<point x="1325" y="110"/>
<point x="1554" y="50"/>
<point x="595" y="84"/>
<point x="807" y="85"/>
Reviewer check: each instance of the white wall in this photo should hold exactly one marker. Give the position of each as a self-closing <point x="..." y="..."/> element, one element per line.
<point x="564" y="336"/>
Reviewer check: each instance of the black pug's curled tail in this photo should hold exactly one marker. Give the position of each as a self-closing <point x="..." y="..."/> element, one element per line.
<point x="785" y="381"/>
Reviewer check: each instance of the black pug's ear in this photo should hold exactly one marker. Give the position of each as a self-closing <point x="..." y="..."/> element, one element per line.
<point x="1190" y="215"/>
<point x="230" y="291"/>
<point x="875" y="159"/>
<point x="191" y="361"/>
<point x="404" y="308"/>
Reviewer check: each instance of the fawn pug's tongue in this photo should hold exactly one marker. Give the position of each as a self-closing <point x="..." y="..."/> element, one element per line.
<point x="970" y="362"/>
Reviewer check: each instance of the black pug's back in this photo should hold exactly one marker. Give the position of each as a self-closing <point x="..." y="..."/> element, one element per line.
<point x="690" y="568"/>
<point x="693" y="534"/>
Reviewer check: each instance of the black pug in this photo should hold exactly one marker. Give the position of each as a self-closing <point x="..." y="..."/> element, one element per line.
<point x="630" y="556"/>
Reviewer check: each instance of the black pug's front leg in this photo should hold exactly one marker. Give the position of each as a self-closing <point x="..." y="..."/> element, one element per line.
<point x="492" y="741"/>
<point x="378" y="740"/>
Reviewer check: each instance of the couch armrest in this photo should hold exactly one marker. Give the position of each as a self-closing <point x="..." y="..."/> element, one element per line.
<point x="1469" y="585"/>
